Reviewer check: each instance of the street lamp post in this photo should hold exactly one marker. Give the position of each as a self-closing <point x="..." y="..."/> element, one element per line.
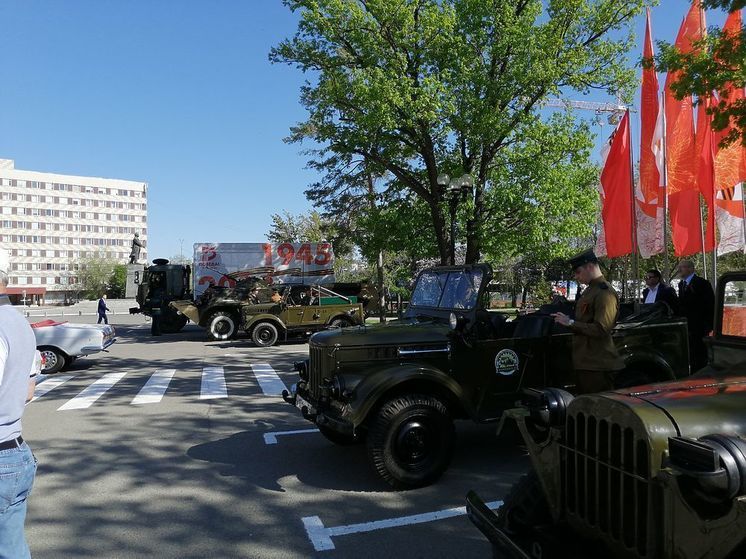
<point x="455" y="190"/>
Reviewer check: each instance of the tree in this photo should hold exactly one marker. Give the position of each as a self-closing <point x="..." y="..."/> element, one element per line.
<point x="717" y="64"/>
<point x="410" y="89"/>
<point x="95" y="273"/>
<point x="118" y="282"/>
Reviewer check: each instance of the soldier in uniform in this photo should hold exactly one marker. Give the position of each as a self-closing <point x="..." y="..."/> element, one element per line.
<point x="594" y="356"/>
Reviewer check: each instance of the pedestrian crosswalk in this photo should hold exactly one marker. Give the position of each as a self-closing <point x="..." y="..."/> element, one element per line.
<point x="212" y="385"/>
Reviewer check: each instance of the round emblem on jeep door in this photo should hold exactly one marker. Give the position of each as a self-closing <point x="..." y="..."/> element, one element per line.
<point x="506" y="362"/>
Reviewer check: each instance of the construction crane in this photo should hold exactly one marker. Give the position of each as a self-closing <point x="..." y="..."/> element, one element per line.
<point x="615" y="110"/>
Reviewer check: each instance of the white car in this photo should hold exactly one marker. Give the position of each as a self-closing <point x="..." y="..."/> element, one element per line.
<point x="60" y="343"/>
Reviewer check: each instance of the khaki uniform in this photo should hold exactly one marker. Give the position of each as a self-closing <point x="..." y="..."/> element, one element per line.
<point x="594" y="355"/>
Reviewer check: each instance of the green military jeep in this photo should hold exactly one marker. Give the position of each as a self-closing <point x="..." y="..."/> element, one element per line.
<point x="225" y="311"/>
<point x="399" y="386"/>
<point x="654" y="471"/>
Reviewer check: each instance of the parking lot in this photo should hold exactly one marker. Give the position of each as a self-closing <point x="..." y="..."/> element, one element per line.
<point x="178" y="447"/>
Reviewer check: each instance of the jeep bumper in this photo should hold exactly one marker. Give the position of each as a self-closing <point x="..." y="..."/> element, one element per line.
<point x="486" y="521"/>
<point x="316" y="412"/>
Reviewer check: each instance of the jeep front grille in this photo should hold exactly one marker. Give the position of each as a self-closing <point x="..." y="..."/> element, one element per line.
<point x="321" y="365"/>
<point x="606" y="482"/>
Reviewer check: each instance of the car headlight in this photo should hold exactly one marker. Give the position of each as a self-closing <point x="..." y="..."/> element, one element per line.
<point x="547" y="407"/>
<point x="713" y="467"/>
<point x="453" y="320"/>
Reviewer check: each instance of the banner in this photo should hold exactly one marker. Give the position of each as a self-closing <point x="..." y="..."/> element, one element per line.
<point x="285" y="263"/>
<point x="616" y="179"/>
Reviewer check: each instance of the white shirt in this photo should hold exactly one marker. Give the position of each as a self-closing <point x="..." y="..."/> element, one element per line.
<point x="652" y="292"/>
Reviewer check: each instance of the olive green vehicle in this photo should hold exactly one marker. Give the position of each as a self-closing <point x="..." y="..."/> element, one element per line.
<point x="268" y="321"/>
<point x="655" y="471"/>
<point x="399" y="386"/>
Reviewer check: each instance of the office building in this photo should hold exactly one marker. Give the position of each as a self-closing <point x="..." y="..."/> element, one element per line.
<point x="50" y="223"/>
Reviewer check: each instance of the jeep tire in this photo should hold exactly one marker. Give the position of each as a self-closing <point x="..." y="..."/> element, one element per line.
<point x="410" y="441"/>
<point x="222" y="326"/>
<point x="340" y="322"/>
<point x="338" y="438"/>
<point x="265" y="334"/>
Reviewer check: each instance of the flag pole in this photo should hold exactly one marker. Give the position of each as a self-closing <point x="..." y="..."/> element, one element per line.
<point x="633" y="198"/>
<point x="666" y="264"/>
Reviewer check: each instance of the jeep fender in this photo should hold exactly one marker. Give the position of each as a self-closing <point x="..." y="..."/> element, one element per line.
<point x="257" y="318"/>
<point x="370" y="392"/>
<point x="643" y="359"/>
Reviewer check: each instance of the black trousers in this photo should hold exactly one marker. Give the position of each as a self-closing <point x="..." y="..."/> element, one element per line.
<point x="102" y="316"/>
<point x="590" y="381"/>
<point x="697" y="352"/>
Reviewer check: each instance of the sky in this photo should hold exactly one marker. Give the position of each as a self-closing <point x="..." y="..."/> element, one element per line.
<point x="179" y="94"/>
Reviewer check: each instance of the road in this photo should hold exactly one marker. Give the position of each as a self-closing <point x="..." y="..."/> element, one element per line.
<point x="159" y="448"/>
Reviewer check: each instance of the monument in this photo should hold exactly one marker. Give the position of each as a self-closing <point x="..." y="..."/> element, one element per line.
<point x="134" y="270"/>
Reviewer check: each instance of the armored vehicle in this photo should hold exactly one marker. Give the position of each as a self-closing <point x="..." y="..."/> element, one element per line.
<point x="278" y="313"/>
<point x="158" y="285"/>
<point x="653" y="471"/>
<point x="399" y="386"/>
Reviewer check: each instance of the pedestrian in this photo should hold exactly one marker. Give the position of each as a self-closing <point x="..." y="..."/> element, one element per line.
<point x="19" y="364"/>
<point x="102" y="308"/>
<point x="594" y="356"/>
<point x="657" y="290"/>
<point x="697" y="304"/>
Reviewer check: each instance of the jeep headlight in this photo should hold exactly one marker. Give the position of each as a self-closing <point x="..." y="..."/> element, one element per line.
<point x="548" y="407"/>
<point x="453" y="320"/>
<point x="713" y="467"/>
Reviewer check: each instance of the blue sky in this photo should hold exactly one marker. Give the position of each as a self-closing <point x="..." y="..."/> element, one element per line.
<point x="178" y="93"/>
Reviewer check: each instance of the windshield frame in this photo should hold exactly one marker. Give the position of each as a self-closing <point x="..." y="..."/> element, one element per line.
<point x="450" y="274"/>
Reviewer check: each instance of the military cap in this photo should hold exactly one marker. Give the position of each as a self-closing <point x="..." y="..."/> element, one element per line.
<point x="585" y="257"/>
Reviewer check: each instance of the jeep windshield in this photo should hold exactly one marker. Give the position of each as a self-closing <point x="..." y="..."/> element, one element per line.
<point x="445" y="290"/>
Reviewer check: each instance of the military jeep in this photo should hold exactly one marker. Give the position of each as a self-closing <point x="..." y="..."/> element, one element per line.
<point x="654" y="471"/>
<point x="226" y="311"/>
<point x="399" y="386"/>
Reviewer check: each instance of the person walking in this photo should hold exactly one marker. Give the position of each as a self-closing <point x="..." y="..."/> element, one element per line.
<point x="697" y="305"/>
<point x="594" y="355"/>
<point x="102" y="308"/>
<point x="19" y="364"/>
<point x="656" y="291"/>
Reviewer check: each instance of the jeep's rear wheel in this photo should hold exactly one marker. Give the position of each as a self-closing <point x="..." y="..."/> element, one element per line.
<point x="172" y="323"/>
<point x="54" y="360"/>
<point x="265" y="334"/>
<point x="340" y="322"/>
<point x="410" y="441"/>
<point x="338" y="438"/>
<point x="222" y="326"/>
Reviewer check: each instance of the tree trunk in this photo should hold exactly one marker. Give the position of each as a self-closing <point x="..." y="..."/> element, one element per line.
<point x="439" y="227"/>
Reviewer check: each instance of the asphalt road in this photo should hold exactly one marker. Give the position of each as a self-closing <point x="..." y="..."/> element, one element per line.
<point x="186" y="476"/>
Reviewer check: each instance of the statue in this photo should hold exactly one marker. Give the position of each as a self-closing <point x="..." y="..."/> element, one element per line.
<point x="136" y="246"/>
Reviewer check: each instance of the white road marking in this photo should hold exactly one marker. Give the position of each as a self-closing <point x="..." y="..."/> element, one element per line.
<point x="47" y="384"/>
<point x="155" y="388"/>
<point x="268" y="380"/>
<point x="271" y="437"/>
<point x="213" y="383"/>
<point x="321" y="537"/>
<point x="93" y="392"/>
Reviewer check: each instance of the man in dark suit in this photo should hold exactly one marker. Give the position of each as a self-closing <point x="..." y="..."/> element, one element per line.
<point x="697" y="304"/>
<point x="656" y="291"/>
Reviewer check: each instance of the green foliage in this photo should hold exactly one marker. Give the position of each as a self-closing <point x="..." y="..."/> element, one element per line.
<point x="404" y="90"/>
<point x="95" y="274"/>
<point x="313" y="228"/>
<point x="118" y="282"/>
<point x="717" y="63"/>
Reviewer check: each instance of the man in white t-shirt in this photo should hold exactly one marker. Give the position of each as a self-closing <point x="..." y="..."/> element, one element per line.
<point x="19" y="364"/>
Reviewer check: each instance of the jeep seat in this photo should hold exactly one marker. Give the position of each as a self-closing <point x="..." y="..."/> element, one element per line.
<point x="533" y="326"/>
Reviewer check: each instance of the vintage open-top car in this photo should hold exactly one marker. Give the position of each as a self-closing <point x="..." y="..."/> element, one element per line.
<point x="653" y="471"/>
<point x="61" y="343"/>
<point x="399" y="386"/>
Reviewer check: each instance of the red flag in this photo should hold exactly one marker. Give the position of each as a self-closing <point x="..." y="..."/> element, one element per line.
<point x="683" y="194"/>
<point x="616" y="180"/>
<point x="650" y="202"/>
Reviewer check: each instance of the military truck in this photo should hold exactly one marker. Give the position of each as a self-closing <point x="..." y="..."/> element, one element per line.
<point x="653" y="471"/>
<point x="399" y="386"/>
<point x="158" y="285"/>
<point x="226" y="311"/>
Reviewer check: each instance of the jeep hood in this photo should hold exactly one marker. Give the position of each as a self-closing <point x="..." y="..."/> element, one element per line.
<point x="397" y="333"/>
<point x="698" y="406"/>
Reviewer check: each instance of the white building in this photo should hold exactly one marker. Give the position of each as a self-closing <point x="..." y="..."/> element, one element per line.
<point x="50" y="222"/>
